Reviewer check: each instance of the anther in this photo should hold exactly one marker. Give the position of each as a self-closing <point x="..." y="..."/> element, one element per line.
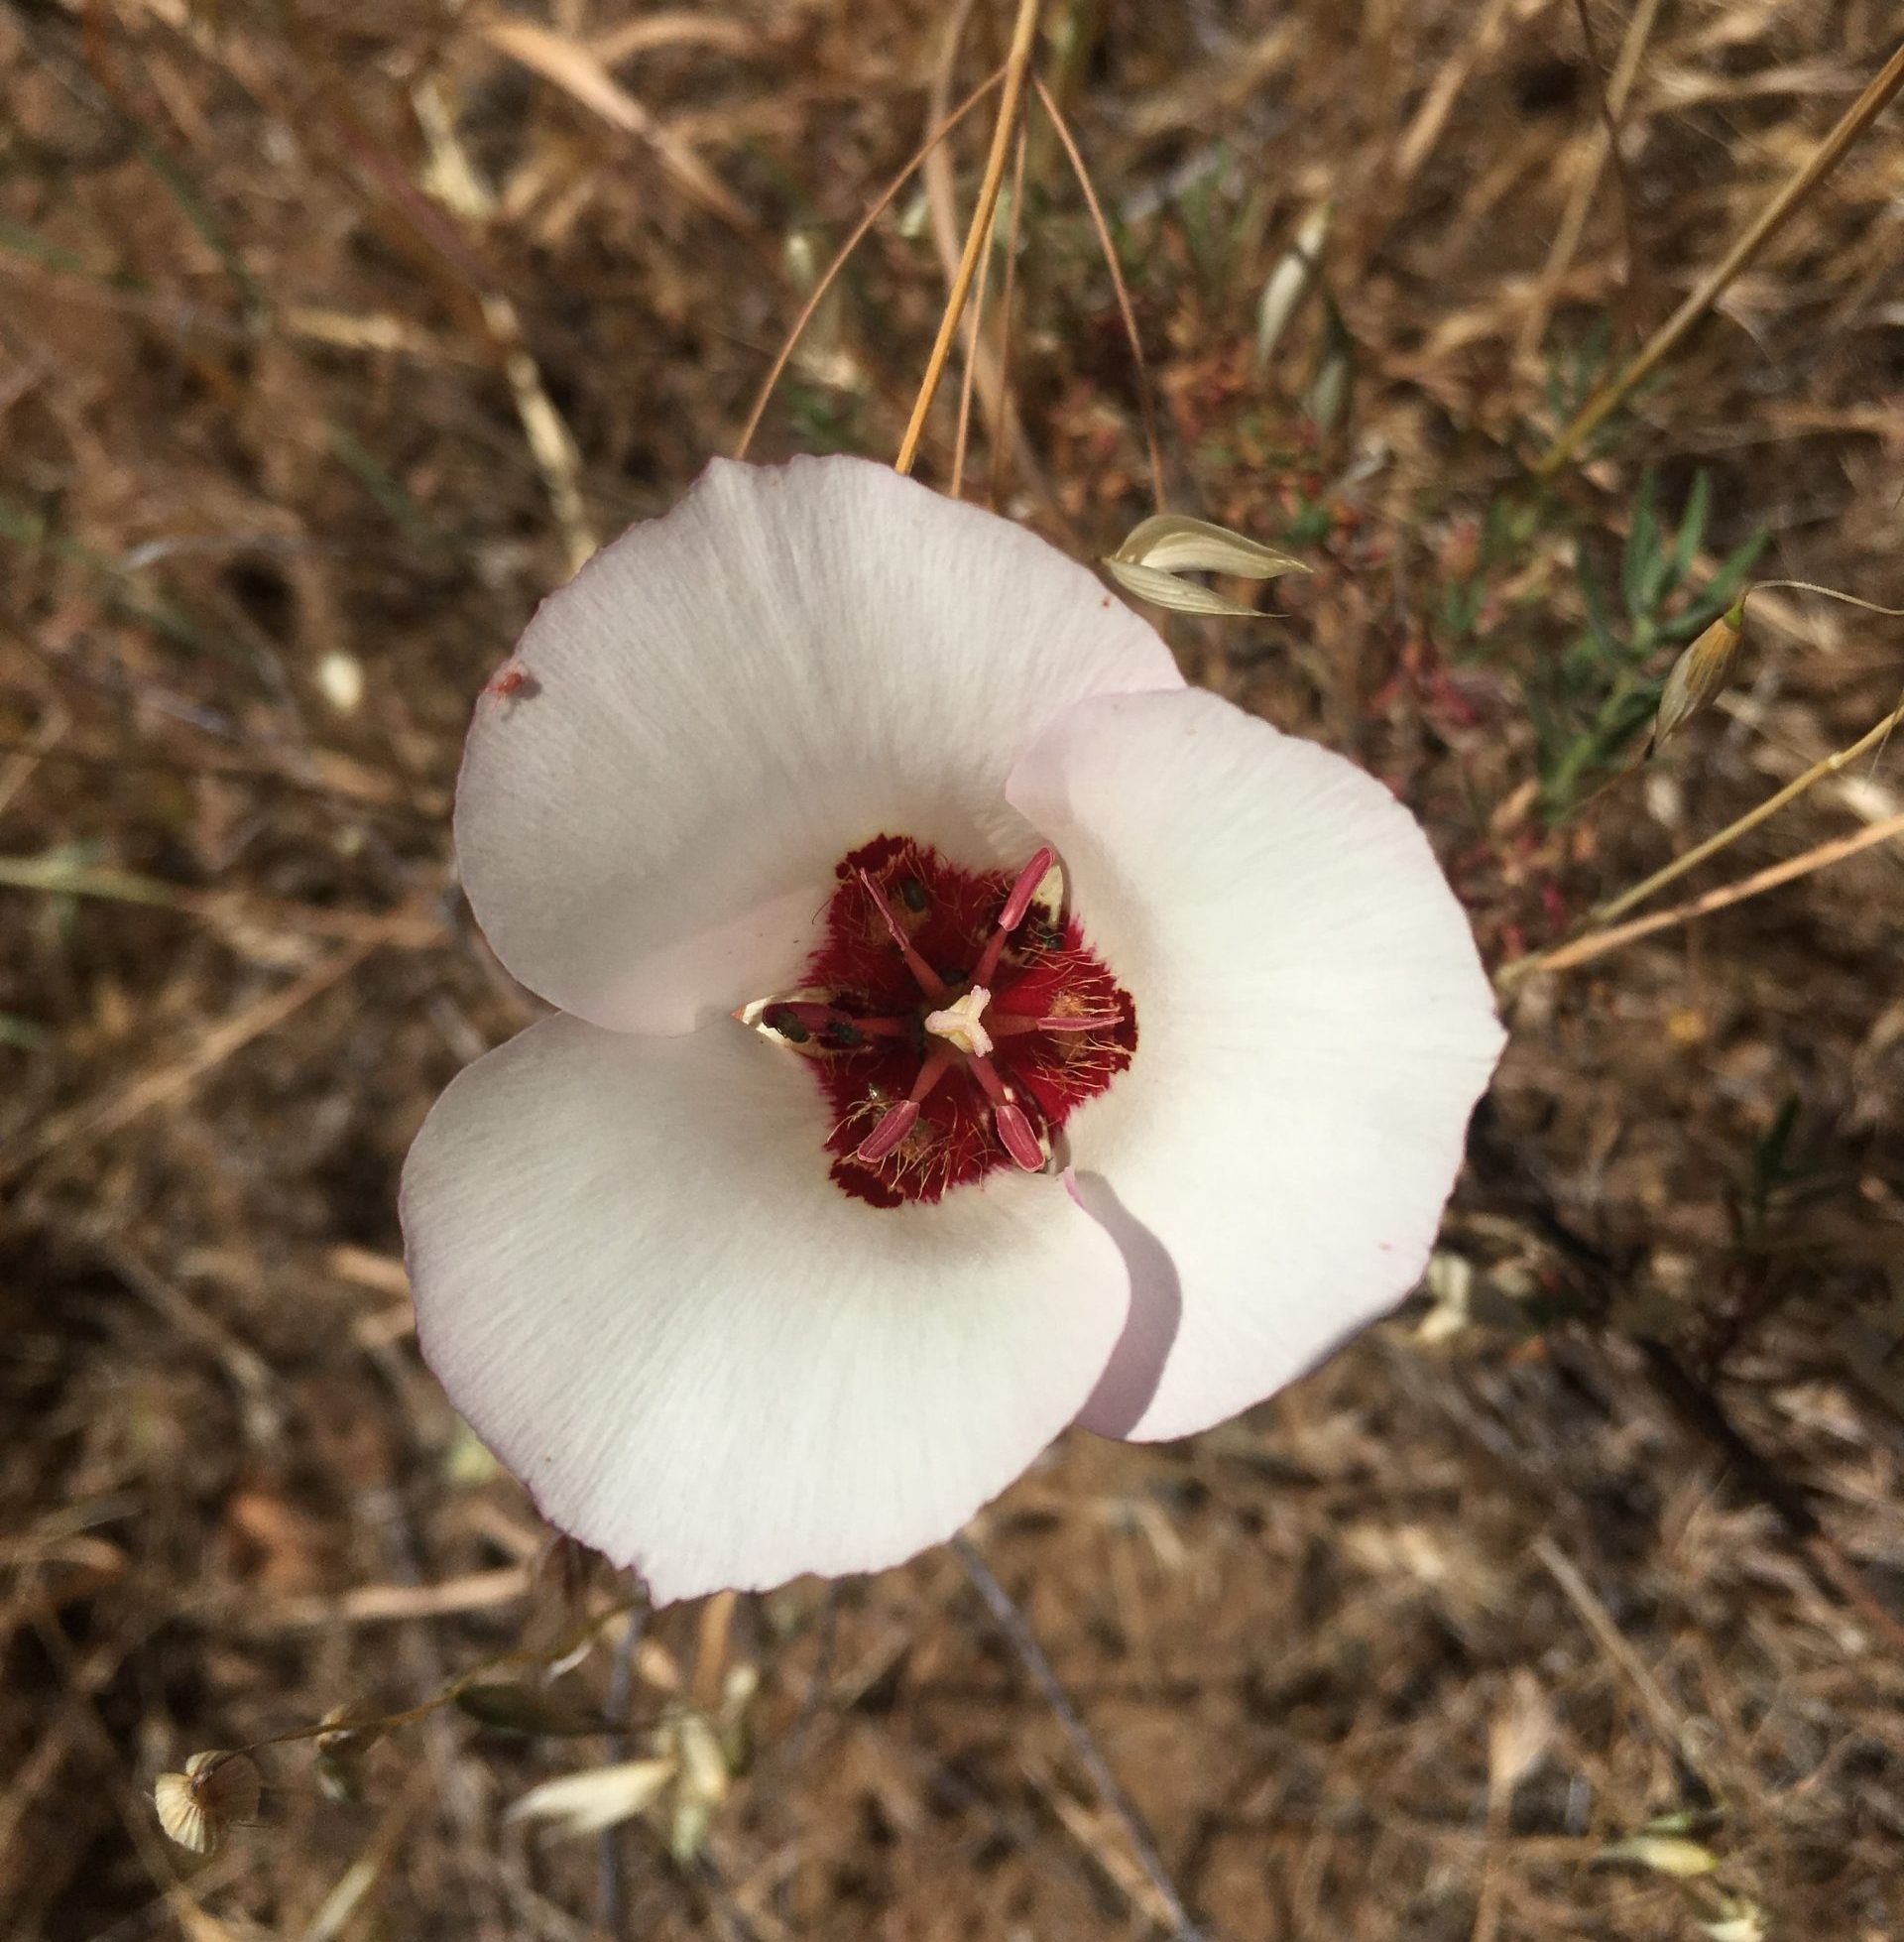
<point x="929" y="980"/>
<point x="1016" y="1132"/>
<point x="892" y="1128"/>
<point x="1009" y="1024"/>
<point x="1018" y="1138"/>
<point x="897" y="1120"/>
<point x="1017" y="902"/>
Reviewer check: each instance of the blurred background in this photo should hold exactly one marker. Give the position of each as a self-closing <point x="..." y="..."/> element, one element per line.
<point x="1569" y="1603"/>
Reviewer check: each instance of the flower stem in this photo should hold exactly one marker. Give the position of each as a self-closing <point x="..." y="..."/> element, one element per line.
<point x="1017" y="63"/>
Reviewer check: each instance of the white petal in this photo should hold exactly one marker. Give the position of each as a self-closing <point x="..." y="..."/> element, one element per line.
<point x="1313" y="1028"/>
<point x="724" y="701"/>
<point x="636" y="1281"/>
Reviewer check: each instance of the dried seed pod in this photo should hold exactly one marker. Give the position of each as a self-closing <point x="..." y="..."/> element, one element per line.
<point x="1664" y="1854"/>
<point x="1332" y="384"/>
<point x="704" y="1772"/>
<point x="601" y="1797"/>
<point x="1169" y="543"/>
<point x="339" y="1763"/>
<point x="1163" y="590"/>
<point x="1174" y="543"/>
<point x="1697" y="676"/>
<point x="214" y="1792"/>
<point x="1291" y="281"/>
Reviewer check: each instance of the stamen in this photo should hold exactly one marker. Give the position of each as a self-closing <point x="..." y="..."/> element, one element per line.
<point x="894" y="1125"/>
<point x="897" y="1120"/>
<point x="1016" y="1133"/>
<point x="1016" y="904"/>
<point x="929" y="980"/>
<point x="965" y="971"/>
<point x="1018" y="1138"/>
<point x="1009" y="1024"/>
<point x="1029" y="878"/>
<point x="799" y="1019"/>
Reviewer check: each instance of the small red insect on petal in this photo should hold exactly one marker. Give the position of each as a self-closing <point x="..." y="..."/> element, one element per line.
<point x="513" y="682"/>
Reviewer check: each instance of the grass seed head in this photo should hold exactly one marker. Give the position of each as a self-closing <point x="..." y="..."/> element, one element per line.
<point x="1699" y="675"/>
<point x="215" y="1792"/>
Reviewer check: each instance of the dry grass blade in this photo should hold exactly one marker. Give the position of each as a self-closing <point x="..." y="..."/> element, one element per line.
<point x="978" y="237"/>
<point x="879" y="206"/>
<point x="550" y="443"/>
<point x="1760" y="231"/>
<point x="1664" y="1716"/>
<point x="616" y="43"/>
<point x="1829" y="766"/>
<point x="1430" y="121"/>
<point x="1604" y="148"/>
<point x="95" y="1119"/>
<point x="1598" y="943"/>
<point x="1106" y="245"/>
<point x="977" y="351"/>
<point x="995" y="484"/>
<point x="985" y="362"/>
<point x="477" y="1591"/>
<point x="580" y="73"/>
<point x="228" y="909"/>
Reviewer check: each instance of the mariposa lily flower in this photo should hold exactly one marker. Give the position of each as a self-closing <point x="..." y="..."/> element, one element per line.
<point x="964" y="1029"/>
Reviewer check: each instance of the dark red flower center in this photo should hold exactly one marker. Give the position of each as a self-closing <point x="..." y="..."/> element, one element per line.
<point x="955" y="1020"/>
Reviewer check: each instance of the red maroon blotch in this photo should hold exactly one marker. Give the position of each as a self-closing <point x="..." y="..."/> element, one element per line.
<point x="899" y="905"/>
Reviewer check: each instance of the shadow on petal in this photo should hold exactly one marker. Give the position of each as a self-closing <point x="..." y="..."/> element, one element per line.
<point x="1135" y="1369"/>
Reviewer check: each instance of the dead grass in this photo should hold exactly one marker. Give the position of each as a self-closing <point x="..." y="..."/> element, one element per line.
<point x="296" y="431"/>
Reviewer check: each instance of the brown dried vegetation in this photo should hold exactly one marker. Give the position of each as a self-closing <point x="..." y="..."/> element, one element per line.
<point x="328" y="337"/>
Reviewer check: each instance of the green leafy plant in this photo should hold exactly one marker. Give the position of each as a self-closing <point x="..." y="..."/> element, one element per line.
<point x="1590" y="703"/>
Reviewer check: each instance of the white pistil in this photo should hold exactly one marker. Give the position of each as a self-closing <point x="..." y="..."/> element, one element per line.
<point x="959" y="1024"/>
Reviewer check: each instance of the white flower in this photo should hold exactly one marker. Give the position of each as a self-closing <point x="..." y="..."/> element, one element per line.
<point x="737" y="1303"/>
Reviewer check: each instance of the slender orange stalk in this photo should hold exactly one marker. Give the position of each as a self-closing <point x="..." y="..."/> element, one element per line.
<point x="973" y="351"/>
<point x="1017" y="63"/>
<point x="880" y="207"/>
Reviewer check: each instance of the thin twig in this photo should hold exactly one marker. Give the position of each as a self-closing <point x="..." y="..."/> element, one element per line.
<point x="1018" y="61"/>
<point x="1601" y="941"/>
<point x="1610" y="111"/>
<point x="1760" y="231"/>
<point x="1146" y="403"/>
<point x="994" y="481"/>
<point x="1830" y="765"/>
<point x="93" y="1119"/>
<point x="973" y="351"/>
<point x="1011" y="1622"/>
<point x="1665" y="1718"/>
<point x="610" y="1887"/>
<point x="880" y="203"/>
